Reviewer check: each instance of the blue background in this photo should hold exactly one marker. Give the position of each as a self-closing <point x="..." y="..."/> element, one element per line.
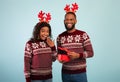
<point x="99" y="18"/>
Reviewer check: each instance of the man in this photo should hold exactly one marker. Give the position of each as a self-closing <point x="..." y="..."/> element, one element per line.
<point x="77" y="45"/>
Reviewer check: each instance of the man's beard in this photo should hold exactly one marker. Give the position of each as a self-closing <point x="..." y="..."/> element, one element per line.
<point x="67" y="28"/>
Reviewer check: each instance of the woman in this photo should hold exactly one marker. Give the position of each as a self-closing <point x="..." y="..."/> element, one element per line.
<point x="40" y="52"/>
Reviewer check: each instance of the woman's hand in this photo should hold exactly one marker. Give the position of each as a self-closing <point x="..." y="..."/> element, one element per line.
<point x="50" y="42"/>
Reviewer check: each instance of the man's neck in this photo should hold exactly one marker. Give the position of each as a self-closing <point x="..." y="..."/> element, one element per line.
<point x="71" y="31"/>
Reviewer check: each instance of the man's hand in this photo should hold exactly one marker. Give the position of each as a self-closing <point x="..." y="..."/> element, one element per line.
<point x="73" y="55"/>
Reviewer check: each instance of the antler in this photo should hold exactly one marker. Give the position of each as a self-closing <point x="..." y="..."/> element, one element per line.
<point x="74" y="7"/>
<point x="41" y="16"/>
<point x="44" y="18"/>
<point x="48" y="17"/>
<point x="67" y="8"/>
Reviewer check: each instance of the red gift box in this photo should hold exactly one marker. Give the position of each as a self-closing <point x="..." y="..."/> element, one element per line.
<point x="62" y="54"/>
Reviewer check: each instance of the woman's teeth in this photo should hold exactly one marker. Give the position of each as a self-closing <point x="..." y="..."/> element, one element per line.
<point x="45" y="36"/>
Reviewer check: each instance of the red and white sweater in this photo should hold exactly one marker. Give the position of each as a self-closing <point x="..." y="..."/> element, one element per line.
<point x="38" y="59"/>
<point x="78" y="42"/>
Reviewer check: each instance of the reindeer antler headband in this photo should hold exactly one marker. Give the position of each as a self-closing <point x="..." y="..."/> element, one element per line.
<point x="44" y="17"/>
<point x="74" y="8"/>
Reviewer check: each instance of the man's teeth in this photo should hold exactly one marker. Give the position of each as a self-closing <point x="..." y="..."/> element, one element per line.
<point x="69" y="25"/>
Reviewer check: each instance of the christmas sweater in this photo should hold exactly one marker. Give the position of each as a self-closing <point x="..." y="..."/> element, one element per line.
<point x="79" y="42"/>
<point x="38" y="57"/>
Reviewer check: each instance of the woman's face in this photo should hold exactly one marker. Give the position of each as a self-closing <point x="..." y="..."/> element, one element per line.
<point x="44" y="33"/>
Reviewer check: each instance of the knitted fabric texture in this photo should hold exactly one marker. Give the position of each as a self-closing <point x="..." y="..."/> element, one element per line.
<point x="78" y="42"/>
<point x="38" y="59"/>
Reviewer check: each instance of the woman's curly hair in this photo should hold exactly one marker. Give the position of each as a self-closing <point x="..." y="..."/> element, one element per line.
<point x="37" y="28"/>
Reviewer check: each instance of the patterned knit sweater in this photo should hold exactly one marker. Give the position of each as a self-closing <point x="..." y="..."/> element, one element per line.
<point x="38" y="59"/>
<point x="78" y="42"/>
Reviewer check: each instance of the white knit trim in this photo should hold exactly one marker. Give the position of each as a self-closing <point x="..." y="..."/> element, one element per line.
<point x="87" y="42"/>
<point x="40" y="50"/>
<point x="27" y="54"/>
<point x="72" y="45"/>
<point x="66" y="44"/>
<point x="27" y="74"/>
<point x="41" y="72"/>
<point x="85" y="54"/>
<point x="74" y="67"/>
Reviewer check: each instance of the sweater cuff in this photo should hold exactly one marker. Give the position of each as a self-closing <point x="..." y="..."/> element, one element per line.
<point x="53" y="48"/>
<point x="80" y="55"/>
<point x="28" y="79"/>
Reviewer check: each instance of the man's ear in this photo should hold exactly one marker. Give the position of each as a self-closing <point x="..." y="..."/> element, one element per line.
<point x="75" y="21"/>
<point x="64" y="20"/>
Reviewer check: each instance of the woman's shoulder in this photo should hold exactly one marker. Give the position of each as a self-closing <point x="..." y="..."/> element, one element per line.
<point x="29" y="42"/>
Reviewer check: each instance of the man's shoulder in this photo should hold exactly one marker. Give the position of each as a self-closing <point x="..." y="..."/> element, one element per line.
<point x="63" y="33"/>
<point x="80" y="31"/>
